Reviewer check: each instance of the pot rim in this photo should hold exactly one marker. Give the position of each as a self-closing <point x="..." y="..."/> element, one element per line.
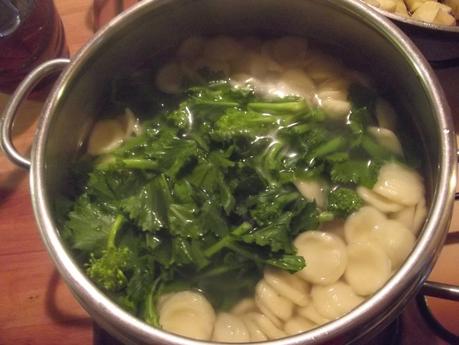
<point x="413" y="271"/>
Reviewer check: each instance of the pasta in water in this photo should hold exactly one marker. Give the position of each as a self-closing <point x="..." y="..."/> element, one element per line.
<point x="326" y="255"/>
<point x="269" y="196"/>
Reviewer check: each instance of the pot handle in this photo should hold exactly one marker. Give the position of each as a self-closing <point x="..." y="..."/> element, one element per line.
<point x="441" y="290"/>
<point x="22" y="91"/>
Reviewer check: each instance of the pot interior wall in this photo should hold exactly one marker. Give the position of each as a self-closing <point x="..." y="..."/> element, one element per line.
<point x="139" y="37"/>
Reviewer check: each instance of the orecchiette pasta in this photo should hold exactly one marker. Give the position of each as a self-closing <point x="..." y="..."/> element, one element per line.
<point x="405" y="216"/>
<point x="298" y="83"/>
<point x="386" y="138"/>
<point x="191" y="47"/>
<point x="359" y="225"/>
<point x="222" y="48"/>
<point x="378" y="201"/>
<point x="106" y="136"/>
<point x="312" y="190"/>
<point x="187" y="313"/>
<point x="419" y="216"/>
<point x="399" y="184"/>
<point x="385" y="114"/>
<point x="368" y="224"/>
<point x="396" y="240"/>
<point x="266" y="326"/>
<point x="297" y="325"/>
<point x="169" y="78"/>
<point x="244" y="306"/>
<point x="230" y="329"/>
<point x="255" y="331"/>
<point x="333" y="301"/>
<point x="288" y="285"/>
<point x="270" y="301"/>
<point x="368" y="267"/>
<point x="325" y="254"/>
<point x="288" y="50"/>
<point x="311" y="313"/>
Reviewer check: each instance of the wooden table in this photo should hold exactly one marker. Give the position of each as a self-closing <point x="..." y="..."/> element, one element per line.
<point x="36" y="307"/>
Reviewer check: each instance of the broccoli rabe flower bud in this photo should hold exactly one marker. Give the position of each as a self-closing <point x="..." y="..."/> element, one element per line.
<point x="343" y="201"/>
<point x="108" y="270"/>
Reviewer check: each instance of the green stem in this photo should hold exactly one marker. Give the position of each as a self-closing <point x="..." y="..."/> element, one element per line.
<point x="326" y="216"/>
<point x="227" y="240"/>
<point x="117" y="224"/>
<point x="150" y="312"/>
<point x="137" y="163"/>
<point x="284" y="107"/>
<point x="330" y="146"/>
<point x="217" y="271"/>
<point x="245" y="253"/>
<point x="217" y="103"/>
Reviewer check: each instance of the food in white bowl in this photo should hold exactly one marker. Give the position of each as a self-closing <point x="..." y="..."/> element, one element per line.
<point x="251" y="189"/>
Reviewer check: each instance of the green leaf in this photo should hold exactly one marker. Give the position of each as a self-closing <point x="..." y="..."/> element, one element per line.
<point x="275" y="235"/>
<point x="88" y="226"/>
<point x="358" y="172"/>
<point x="343" y="201"/>
<point x="149" y="208"/>
<point x="291" y="263"/>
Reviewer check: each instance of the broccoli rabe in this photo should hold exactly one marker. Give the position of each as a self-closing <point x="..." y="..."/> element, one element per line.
<point x="109" y="270"/>
<point x="205" y="195"/>
<point x="343" y="201"/>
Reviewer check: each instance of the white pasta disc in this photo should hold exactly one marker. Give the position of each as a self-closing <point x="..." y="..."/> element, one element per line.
<point x="325" y="256"/>
<point x="106" y="136"/>
<point x="214" y="66"/>
<point x="312" y="190"/>
<point x="288" y="286"/>
<point x="230" y="329"/>
<point x="400" y="184"/>
<point x="297" y="83"/>
<point x="340" y="85"/>
<point x="386" y="138"/>
<point x="419" y="216"/>
<point x="405" y="216"/>
<point x="222" y="48"/>
<point x="169" y="78"/>
<point x="251" y="43"/>
<point x="130" y="123"/>
<point x="378" y="201"/>
<point x="335" y="227"/>
<point x="297" y="325"/>
<point x="268" y="313"/>
<point x="336" y="108"/>
<point x="244" y="306"/>
<point x="191" y="47"/>
<point x="187" y="313"/>
<point x="267" y="327"/>
<point x="396" y="240"/>
<point x="289" y="50"/>
<point x="368" y="267"/>
<point x="331" y="94"/>
<point x="385" y="114"/>
<point x="320" y="67"/>
<point x="268" y="298"/>
<point x="255" y="332"/>
<point x="333" y="301"/>
<point x="360" y="224"/>
<point x="311" y="313"/>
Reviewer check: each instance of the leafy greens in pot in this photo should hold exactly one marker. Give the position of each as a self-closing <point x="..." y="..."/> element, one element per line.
<point x="205" y="198"/>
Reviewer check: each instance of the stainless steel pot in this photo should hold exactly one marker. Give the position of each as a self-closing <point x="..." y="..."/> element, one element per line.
<point x="360" y="34"/>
